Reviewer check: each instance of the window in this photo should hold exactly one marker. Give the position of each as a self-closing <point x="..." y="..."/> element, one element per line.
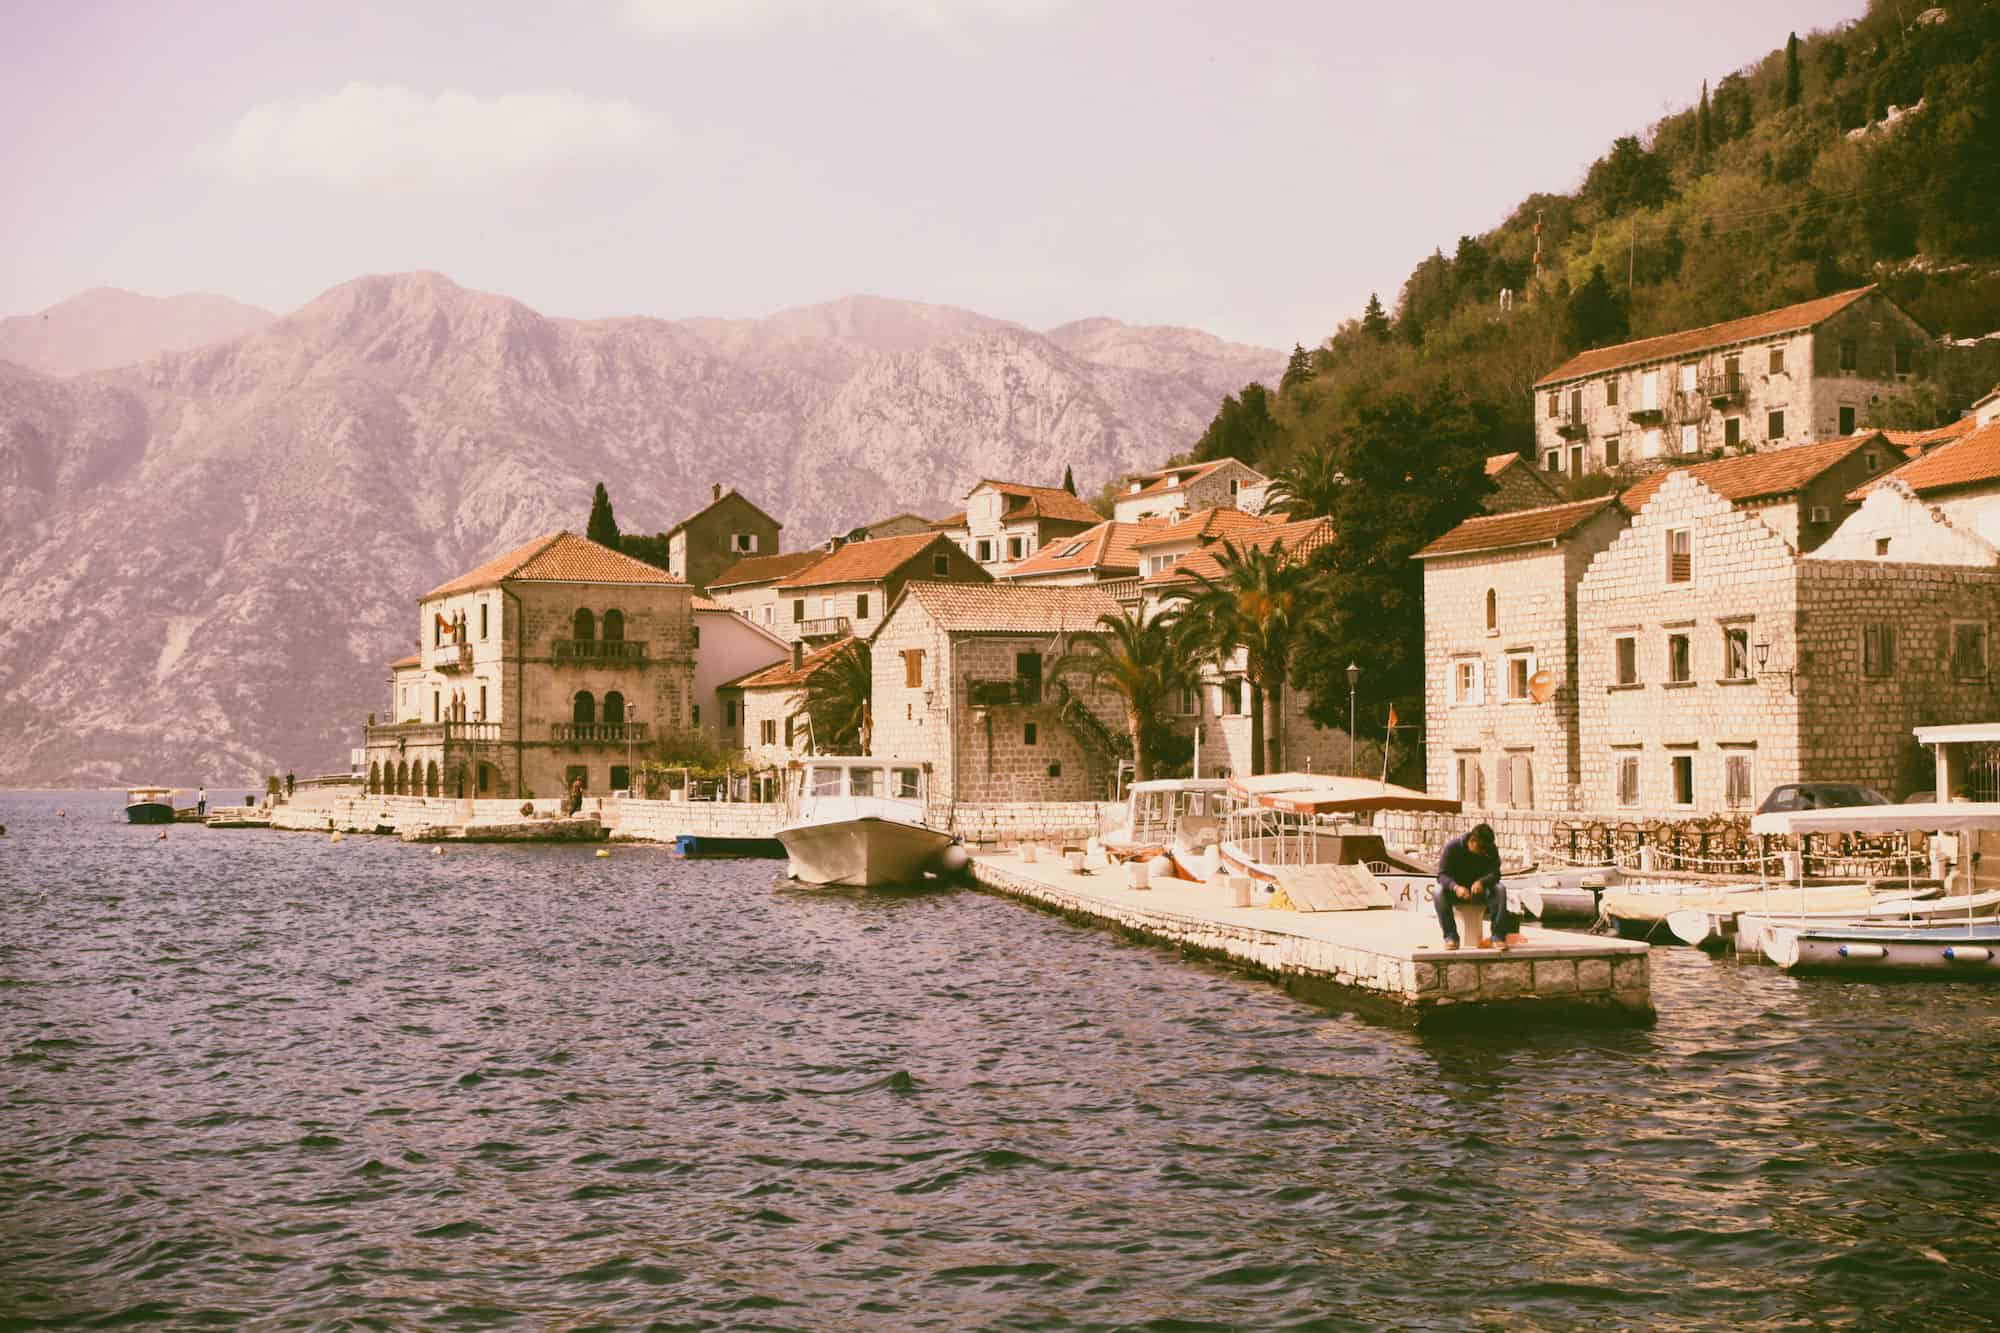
<point x="1553" y="461"/>
<point x="1777" y="361"/>
<point x="436" y="716"/>
<point x="743" y="543"/>
<point x="1649" y="391"/>
<point x="1076" y="548"/>
<point x="1625" y="659"/>
<point x="1878" y="650"/>
<point x="1881" y="546"/>
<point x="1968" y="650"/>
<point x="1652" y="442"/>
<point x="1028" y="677"/>
<point x="1819" y="514"/>
<point x="1520" y="670"/>
<point x="1903" y="359"/>
<point x="984" y="551"/>
<point x="728" y="712"/>
<point x="1871" y="460"/>
<point x="1468" y="782"/>
<point x="1683" y="779"/>
<point x="1576" y="404"/>
<point x="1188" y="702"/>
<point x="913" y="668"/>
<point x="1690" y="439"/>
<point x="767" y="731"/>
<point x="791" y="731"/>
<point x="1687" y="376"/>
<point x="694" y="715"/>
<point x="903" y="783"/>
<point x="1628" y="779"/>
<point x="861" y="606"/>
<point x="1848" y="356"/>
<point x="1555" y="405"/>
<point x="1492" y="611"/>
<point x="1732" y="431"/>
<point x="621" y="778"/>
<point x="485" y="777"/>
<point x="767" y="615"/>
<point x="1468" y="682"/>
<point x="826" y="608"/>
<point x="1738" y="779"/>
<point x="826" y="781"/>
<point x="1847" y="421"/>
<point x="1517" y="782"/>
<point x="1017" y="547"/>
<point x="1611" y="392"/>
<point x="1774" y="426"/>
<point x="1055" y="770"/>
<point x="482" y="620"/>
<point x="1027" y="733"/>
<point x="1576" y="460"/>
<point x="1680" y="659"/>
<point x="482" y="703"/>
<point x="798" y="610"/>
<point x="694" y="637"/>
<point x="1235" y="487"/>
<point x="1736" y="652"/>
<point x="1732" y="373"/>
<point x="1680" y="555"/>
<point x="1611" y="452"/>
<point x="940" y="563"/>
<point x="583" y="625"/>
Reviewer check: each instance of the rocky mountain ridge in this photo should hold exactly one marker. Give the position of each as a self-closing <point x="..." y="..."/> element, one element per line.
<point x="207" y="558"/>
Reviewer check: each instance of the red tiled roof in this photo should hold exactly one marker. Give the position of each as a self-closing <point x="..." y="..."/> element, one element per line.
<point x="765" y="568"/>
<point x="1109" y="545"/>
<point x="1173" y="478"/>
<point x="1011" y="608"/>
<point x="560" y="557"/>
<point x="949" y="521"/>
<point x="1209" y="525"/>
<point x="784" y="674"/>
<point x="414" y="659"/>
<point x="1914" y="442"/>
<point x="1971" y="460"/>
<point x="704" y="603"/>
<point x="1051" y="502"/>
<point x="865" y="562"/>
<point x="1522" y="527"/>
<point x="1760" y="476"/>
<point x="1298" y="540"/>
<point x="1790" y="319"/>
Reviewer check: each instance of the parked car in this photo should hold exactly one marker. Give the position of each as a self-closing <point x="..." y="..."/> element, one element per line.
<point x="1820" y="796"/>
<point x="1920" y="798"/>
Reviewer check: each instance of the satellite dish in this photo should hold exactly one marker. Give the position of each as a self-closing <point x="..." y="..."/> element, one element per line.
<point x="1542" y="686"/>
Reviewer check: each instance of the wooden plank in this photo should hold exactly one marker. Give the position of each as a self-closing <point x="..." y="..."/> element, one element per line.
<point x="1331" y="888"/>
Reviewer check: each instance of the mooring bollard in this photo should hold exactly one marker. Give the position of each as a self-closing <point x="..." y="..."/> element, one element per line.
<point x="1139" y="875"/>
<point x="1239" y="890"/>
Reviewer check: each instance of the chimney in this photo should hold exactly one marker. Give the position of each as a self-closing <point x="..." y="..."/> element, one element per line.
<point x="717" y="488"/>
<point x="798" y="654"/>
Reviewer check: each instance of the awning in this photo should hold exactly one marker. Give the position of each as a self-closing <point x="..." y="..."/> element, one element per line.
<point x="1321" y="794"/>
<point x="1926" y="817"/>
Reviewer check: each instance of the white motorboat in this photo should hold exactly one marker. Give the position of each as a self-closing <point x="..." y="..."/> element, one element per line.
<point x="150" y="805"/>
<point x="1749" y="928"/>
<point x="860" y="822"/>
<point x="1285" y="820"/>
<point x="1179" y="818"/>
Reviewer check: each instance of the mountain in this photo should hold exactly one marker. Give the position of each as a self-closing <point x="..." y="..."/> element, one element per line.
<point x="105" y="327"/>
<point x="207" y="559"/>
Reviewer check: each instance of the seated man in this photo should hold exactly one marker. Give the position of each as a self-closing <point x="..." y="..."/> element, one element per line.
<point x="1469" y="871"/>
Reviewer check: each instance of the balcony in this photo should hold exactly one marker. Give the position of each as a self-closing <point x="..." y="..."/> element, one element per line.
<point x="1723" y="389"/>
<point x="1003" y="693"/>
<point x="405" y="734"/>
<point x="598" y="733"/>
<point x="1573" y="428"/>
<point x="826" y="627"/>
<point x="599" y="652"/>
<point x="1646" y="416"/>
<point x="452" y="657"/>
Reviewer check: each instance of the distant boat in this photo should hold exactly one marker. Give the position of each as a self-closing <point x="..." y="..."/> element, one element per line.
<point x="150" y="805"/>
<point x="861" y="823"/>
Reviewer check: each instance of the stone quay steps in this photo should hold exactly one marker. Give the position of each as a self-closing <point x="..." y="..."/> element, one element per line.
<point x="1380" y="957"/>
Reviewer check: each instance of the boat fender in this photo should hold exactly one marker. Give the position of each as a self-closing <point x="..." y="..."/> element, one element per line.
<point x="163" y="835"/>
<point x="955" y="858"/>
<point x="602" y="853"/>
<point x="1967" y="953"/>
<point x="334" y="836"/>
<point x="1863" y="951"/>
<point x="1691" y="927"/>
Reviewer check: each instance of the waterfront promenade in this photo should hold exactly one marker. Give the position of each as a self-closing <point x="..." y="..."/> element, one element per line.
<point x="1388" y="957"/>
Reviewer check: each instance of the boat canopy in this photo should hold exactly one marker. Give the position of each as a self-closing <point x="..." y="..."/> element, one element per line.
<point x="1180" y="784"/>
<point x="1924" y="817"/>
<point x="1323" y="794"/>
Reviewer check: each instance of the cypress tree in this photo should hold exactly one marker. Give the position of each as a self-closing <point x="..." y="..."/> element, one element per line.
<point x="1793" y="87"/>
<point x="1374" y="322"/>
<point x="1069" y="479"/>
<point x="1704" y="133"/>
<point x="603" y="528"/>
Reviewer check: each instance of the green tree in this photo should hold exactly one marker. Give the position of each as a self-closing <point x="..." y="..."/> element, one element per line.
<point x="1629" y="176"/>
<point x="1259" y="606"/>
<point x="1298" y="369"/>
<point x="1793" y="83"/>
<point x="1704" y="133"/>
<point x="838" y="700"/>
<point x="1069" y="479"/>
<point x="602" y="528"/>
<point x="1306" y="486"/>
<point x="1243" y="428"/>
<point x="1144" y="661"/>
<point x="1594" y="315"/>
<point x="1374" y="320"/>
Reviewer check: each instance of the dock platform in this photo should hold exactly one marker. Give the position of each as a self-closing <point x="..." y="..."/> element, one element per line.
<point x="1379" y="956"/>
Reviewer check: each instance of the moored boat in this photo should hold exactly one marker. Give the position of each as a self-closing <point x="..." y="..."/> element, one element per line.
<point x="1179" y="818"/>
<point x="149" y="805"/>
<point x="1944" y="949"/>
<point x="860" y="823"/>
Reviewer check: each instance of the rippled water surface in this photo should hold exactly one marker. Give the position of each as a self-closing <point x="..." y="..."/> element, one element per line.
<point x="263" y="1078"/>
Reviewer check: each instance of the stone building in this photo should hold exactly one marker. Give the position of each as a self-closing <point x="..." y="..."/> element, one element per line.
<point x="1802" y="493"/>
<point x="896" y="525"/>
<point x="553" y="662"/>
<point x="1175" y="492"/>
<point x="1895" y="523"/>
<point x="727" y="647"/>
<point x="970" y="682"/>
<point x="1500" y="644"/>
<point x="849" y="591"/>
<point x="750" y="587"/>
<point x="772" y="703"/>
<point x="705" y="543"/>
<point x="1102" y="554"/>
<point x="1172" y="541"/>
<point x="1714" y="663"/>
<point x="1961" y="477"/>
<point x="1005" y="522"/>
<point x="1805" y="372"/>
<point x="1518" y="484"/>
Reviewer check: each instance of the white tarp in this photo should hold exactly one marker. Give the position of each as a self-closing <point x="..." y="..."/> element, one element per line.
<point x="1928" y="817"/>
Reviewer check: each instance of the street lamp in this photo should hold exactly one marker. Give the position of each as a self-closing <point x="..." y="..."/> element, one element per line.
<point x="631" y="727"/>
<point x="1353" y="678"/>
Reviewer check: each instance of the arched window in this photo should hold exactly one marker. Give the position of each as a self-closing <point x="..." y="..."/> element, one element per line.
<point x="1492" y="611"/>
<point x="374" y="779"/>
<point x="614" y="707"/>
<point x="614" y="625"/>
<point x="431" y="779"/>
<point x="583" y="625"/>
<point x="403" y="778"/>
<point x="583" y="710"/>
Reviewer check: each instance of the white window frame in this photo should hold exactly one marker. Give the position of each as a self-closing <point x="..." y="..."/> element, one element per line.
<point x="1524" y="657"/>
<point x="1686" y="537"/>
<point x="743" y="543"/>
<point x="1468" y="681"/>
<point x="1675" y="759"/>
<point x="1637" y="676"/>
<point x="1689" y="371"/>
<point x="1690" y="439"/>
<point x="1686" y="637"/>
<point x="1728" y="633"/>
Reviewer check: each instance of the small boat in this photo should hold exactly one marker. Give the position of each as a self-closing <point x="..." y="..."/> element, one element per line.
<point x="1179" y="818"/>
<point x="1748" y="929"/>
<point x="150" y="805"/>
<point x="860" y="822"/>
<point x="1943" y="949"/>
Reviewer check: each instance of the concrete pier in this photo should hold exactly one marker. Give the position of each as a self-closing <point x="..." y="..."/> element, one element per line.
<point x="1383" y="957"/>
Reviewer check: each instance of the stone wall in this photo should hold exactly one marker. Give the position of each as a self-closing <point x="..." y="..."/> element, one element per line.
<point x="1071" y="821"/>
<point x="664" y="821"/>
<point x="1914" y="533"/>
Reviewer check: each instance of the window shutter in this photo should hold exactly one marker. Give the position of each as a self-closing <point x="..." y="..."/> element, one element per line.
<point x="1506" y="780"/>
<point x="1524" y="783"/>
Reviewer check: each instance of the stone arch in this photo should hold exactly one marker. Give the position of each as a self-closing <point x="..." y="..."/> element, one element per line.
<point x="431" y="784"/>
<point x="403" y="778"/>
<point x="613" y="626"/>
<point x="375" y="778"/>
<point x="614" y="707"/>
<point x="583" y="625"/>
<point x="485" y="778"/>
<point x="583" y="708"/>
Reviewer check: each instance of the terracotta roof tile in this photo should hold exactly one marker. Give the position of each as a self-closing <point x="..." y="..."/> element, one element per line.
<point x="1761" y="476"/>
<point x="1210" y="525"/>
<point x="1011" y="608"/>
<point x="1298" y="539"/>
<point x="560" y="557"/>
<point x="949" y="521"/>
<point x="1052" y="502"/>
<point x="1971" y="460"/>
<point x="1109" y="545"/>
<point x="1914" y="442"/>
<point x="1789" y="319"/>
<point x="414" y="659"/>
<point x="866" y="562"/>
<point x="784" y="674"/>
<point x="1522" y="527"/>
<point x="765" y="568"/>
<point x="1165" y="479"/>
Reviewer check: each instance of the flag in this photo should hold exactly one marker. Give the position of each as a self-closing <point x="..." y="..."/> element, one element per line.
<point x="1392" y="717"/>
<point x="445" y="626"/>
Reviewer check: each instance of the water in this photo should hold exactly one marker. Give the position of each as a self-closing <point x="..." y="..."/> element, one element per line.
<point x="256" y="1077"/>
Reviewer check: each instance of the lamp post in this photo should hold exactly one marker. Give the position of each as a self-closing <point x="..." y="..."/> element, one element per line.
<point x="631" y="726"/>
<point x="1353" y="678"/>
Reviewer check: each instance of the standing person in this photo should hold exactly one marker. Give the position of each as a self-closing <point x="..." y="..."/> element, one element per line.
<point x="290" y="782"/>
<point x="201" y="801"/>
<point x="576" y="796"/>
<point x="1469" y="871"/>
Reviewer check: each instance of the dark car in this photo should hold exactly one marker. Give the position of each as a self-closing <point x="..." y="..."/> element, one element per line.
<point x="1820" y="796"/>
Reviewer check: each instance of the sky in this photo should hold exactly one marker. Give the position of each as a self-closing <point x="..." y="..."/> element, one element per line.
<point x="1251" y="168"/>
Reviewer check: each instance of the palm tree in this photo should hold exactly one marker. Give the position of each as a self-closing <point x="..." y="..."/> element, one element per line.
<point x="1307" y="486"/>
<point x="1259" y="606"/>
<point x="838" y="695"/>
<point x="1144" y="661"/>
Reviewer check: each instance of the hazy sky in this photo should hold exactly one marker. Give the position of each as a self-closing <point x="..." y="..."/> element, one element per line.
<point x="1255" y="169"/>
